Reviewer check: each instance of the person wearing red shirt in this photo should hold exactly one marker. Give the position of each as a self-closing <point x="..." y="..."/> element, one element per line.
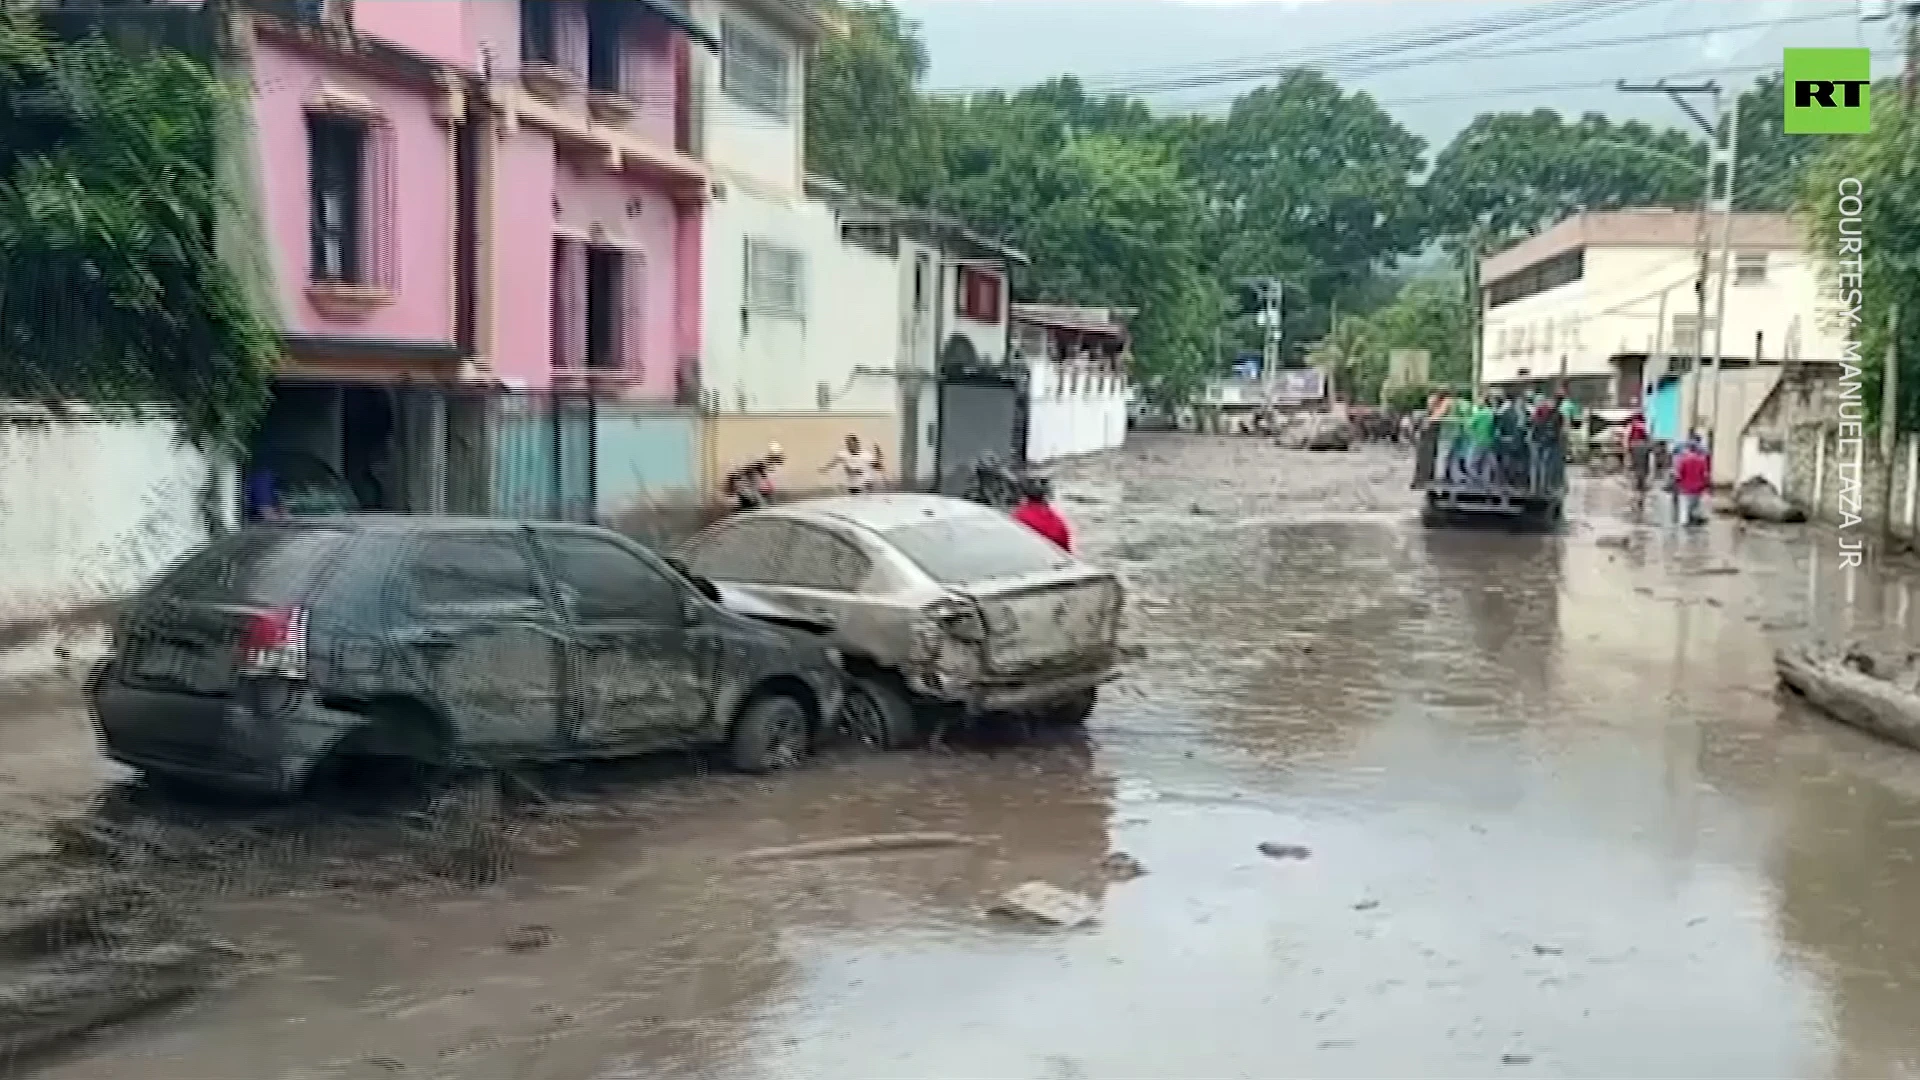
<point x="1692" y="476"/>
<point x="1036" y="512"/>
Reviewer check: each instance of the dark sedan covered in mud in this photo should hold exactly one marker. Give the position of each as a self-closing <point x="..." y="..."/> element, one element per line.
<point x="446" y="642"/>
<point x="933" y="601"/>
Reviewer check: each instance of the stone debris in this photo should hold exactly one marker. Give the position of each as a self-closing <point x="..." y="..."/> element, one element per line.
<point x="528" y="938"/>
<point x="1048" y="905"/>
<point x="1284" y="851"/>
<point x="1121" y="866"/>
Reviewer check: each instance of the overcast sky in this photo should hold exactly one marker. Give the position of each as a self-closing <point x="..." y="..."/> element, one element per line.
<point x="1124" y="43"/>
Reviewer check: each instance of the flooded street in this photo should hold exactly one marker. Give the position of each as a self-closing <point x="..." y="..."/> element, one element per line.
<point x="1558" y="822"/>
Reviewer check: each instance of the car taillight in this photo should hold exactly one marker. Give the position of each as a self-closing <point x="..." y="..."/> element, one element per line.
<point x="275" y="643"/>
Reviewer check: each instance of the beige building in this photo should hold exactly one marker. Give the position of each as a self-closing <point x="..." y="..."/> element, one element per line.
<point x="1604" y="299"/>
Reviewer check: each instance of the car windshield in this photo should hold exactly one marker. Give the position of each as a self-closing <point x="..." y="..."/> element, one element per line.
<point x="965" y="548"/>
<point x="268" y="568"/>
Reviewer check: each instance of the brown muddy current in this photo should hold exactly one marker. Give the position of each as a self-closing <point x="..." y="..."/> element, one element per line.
<point x="1557" y="822"/>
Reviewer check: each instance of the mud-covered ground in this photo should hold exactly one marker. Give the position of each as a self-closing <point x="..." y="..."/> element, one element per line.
<point x="1557" y="821"/>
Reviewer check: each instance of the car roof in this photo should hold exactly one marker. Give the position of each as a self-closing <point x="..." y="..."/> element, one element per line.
<point x="882" y="512"/>
<point x="412" y="523"/>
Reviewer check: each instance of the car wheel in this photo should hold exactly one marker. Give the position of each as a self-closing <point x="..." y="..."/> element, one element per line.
<point x="880" y="714"/>
<point x="1073" y="711"/>
<point x="773" y="732"/>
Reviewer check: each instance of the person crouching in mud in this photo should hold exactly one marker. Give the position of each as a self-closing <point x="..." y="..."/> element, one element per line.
<point x="750" y="487"/>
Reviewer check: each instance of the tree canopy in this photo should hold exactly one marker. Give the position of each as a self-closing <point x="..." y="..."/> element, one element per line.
<point x="1299" y="179"/>
<point x="111" y="289"/>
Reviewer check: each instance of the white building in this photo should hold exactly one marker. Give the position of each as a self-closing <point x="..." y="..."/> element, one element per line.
<point x="824" y="312"/>
<point x="1604" y="299"/>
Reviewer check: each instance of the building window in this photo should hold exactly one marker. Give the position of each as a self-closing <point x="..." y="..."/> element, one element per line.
<point x="1686" y="339"/>
<point x="606" y="304"/>
<point x="920" y="268"/>
<point x="605" y="27"/>
<point x="1750" y="268"/>
<point x="1562" y="269"/>
<point x="776" y="280"/>
<point x="979" y="297"/>
<point x="337" y="153"/>
<point x="539" y="37"/>
<point x="755" y="70"/>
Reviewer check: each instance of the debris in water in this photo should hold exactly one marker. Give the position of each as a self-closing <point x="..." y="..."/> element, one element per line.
<point x="1037" y="901"/>
<point x="1546" y="950"/>
<point x="528" y="938"/>
<point x="1121" y="866"/>
<point x="1620" y="541"/>
<point x="1366" y="905"/>
<point x="859" y="845"/>
<point x="1283" y="851"/>
<point x="1713" y="571"/>
<point x="1515" y="1059"/>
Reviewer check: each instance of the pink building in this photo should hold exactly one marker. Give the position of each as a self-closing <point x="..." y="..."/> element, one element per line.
<point x="484" y="246"/>
<point x="590" y="225"/>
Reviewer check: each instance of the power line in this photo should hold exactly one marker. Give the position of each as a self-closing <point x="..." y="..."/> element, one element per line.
<point x="1191" y="67"/>
<point x="1380" y="57"/>
<point x="1548" y="50"/>
<point x="1534" y="20"/>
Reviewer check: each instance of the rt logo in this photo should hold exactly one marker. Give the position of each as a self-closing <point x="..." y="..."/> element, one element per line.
<point x="1829" y="91"/>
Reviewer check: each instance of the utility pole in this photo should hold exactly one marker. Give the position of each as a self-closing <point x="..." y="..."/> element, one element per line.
<point x="1477" y="305"/>
<point x="1889" y="423"/>
<point x="1724" y="156"/>
<point x="1690" y="407"/>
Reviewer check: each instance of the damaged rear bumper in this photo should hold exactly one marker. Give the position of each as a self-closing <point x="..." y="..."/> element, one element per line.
<point x="1017" y="695"/>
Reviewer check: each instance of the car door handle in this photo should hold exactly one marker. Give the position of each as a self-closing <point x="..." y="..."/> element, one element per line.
<point x="429" y="639"/>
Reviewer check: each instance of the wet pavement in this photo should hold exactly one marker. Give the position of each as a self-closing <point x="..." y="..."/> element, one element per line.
<point x="1557" y="822"/>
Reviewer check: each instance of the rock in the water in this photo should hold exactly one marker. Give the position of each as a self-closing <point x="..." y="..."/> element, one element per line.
<point x="528" y="938"/>
<point x="1121" y="866"/>
<point x="1758" y="499"/>
<point x="1048" y="905"/>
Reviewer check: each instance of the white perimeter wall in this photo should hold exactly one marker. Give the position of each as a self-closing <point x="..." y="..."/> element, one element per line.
<point x="1073" y="411"/>
<point x="91" y="507"/>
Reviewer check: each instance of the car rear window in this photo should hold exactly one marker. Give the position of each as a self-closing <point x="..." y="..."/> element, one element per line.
<point x="269" y="568"/>
<point x="965" y="548"/>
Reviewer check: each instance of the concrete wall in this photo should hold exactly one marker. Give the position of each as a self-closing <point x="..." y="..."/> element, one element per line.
<point x="1073" y="411"/>
<point x="410" y="199"/>
<point x="760" y="362"/>
<point x="91" y="507"/>
<point x="1614" y="309"/>
<point x="647" y="461"/>
<point x="809" y="439"/>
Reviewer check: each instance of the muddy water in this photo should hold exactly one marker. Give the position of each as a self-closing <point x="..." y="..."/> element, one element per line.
<point x="1559" y="824"/>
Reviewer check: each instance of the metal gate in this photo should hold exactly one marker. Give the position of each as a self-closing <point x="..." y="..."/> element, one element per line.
<point x="545" y="456"/>
<point x="977" y="418"/>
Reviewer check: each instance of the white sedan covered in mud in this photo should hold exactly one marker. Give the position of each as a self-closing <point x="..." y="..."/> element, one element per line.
<point x="933" y="601"/>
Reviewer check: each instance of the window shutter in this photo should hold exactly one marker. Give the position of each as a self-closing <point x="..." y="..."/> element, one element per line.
<point x="633" y="314"/>
<point x="569" y="303"/>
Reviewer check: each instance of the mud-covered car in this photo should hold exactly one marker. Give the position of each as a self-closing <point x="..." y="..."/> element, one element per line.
<point x="445" y="642"/>
<point x="1317" y="431"/>
<point x="932" y="600"/>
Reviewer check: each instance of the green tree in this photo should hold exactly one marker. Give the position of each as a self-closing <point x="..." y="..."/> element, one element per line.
<point x="1883" y="161"/>
<point x="1771" y="161"/>
<point x="1311" y="184"/>
<point x="111" y="289"/>
<point x="1507" y="175"/>
<point x="1434" y="314"/>
<point x="867" y="123"/>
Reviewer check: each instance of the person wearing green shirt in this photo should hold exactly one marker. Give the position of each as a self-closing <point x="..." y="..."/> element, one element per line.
<point x="1480" y="425"/>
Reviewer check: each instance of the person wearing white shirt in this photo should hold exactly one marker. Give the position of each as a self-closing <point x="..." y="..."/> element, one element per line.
<point x="858" y="465"/>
